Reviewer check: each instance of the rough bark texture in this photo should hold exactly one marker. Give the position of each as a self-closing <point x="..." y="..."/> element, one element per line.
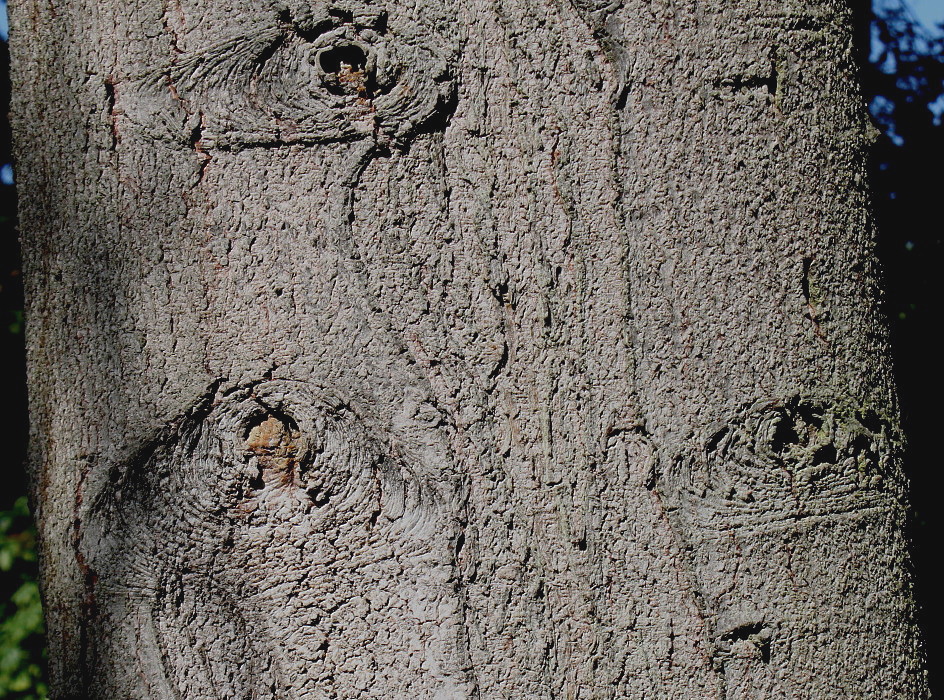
<point x="477" y="349"/>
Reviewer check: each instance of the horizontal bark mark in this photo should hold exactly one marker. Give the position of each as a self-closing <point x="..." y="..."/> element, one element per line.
<point x="785" y="462"/>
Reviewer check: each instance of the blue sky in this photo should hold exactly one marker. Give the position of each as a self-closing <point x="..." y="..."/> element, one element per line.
<point x="930" y="12"/>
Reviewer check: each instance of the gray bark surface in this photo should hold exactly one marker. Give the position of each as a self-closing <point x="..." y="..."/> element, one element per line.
<point x="477" y="349"/>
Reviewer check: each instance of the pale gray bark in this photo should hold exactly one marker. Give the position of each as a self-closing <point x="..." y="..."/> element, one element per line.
<point x="477" y="349"/>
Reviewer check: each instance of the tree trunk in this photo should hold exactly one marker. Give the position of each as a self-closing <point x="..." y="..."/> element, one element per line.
<point x="485" y="349"/>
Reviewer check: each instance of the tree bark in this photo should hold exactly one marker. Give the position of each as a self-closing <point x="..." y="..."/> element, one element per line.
<point x="481" y="349"/>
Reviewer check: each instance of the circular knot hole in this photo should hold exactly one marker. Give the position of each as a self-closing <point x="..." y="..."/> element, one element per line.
<point x="346" y="58"/>
<point x="347" y="70"/>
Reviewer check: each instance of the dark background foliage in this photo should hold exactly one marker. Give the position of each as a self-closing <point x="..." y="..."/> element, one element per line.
<point x="903" y="74"/>
<point x="22" y="643"/>
<point x="902" y="64"/>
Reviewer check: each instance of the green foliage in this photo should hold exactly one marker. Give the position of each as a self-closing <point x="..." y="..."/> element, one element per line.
<point x="22" y="653"/>
<point x="16" y="323"/>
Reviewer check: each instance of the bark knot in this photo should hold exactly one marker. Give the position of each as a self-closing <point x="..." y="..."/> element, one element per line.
<point x="274" y="443"/>
<point x="341" y="77"/>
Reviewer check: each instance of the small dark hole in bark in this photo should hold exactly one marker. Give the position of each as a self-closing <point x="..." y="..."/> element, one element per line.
<point x="755" y="633"/>
<point x="345" y="54"/>
<point x="311" y="32"/>
<point x="341" y="16"/>
<point x="715" y="440"/>
<point x="860" y="445"/>
<point x="439" y="119"/>
<point x="652" y="478"/>
<point x="380" y="23"/>
<point x="784" y="436"/>
<point x="460" y="543"/>
<point x="870" y="421"/>
<point x="825" y="455"/>
<point x="500" y="291"/>
<point x="196" y="135"/>
<point x="771" y="82"/>
<point x="863" y="450"/>
<point x="622" y="97"/>
<point x="805" y="282"/>
<point x="810" y="415"/>
<point x="110" y="94"/>
<point x="269" y="51"/>
<point x="743" y="632"/>
<point x="320" y="499"/>
<point x="279" y="292"/>
<point x="582" y="544"/>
